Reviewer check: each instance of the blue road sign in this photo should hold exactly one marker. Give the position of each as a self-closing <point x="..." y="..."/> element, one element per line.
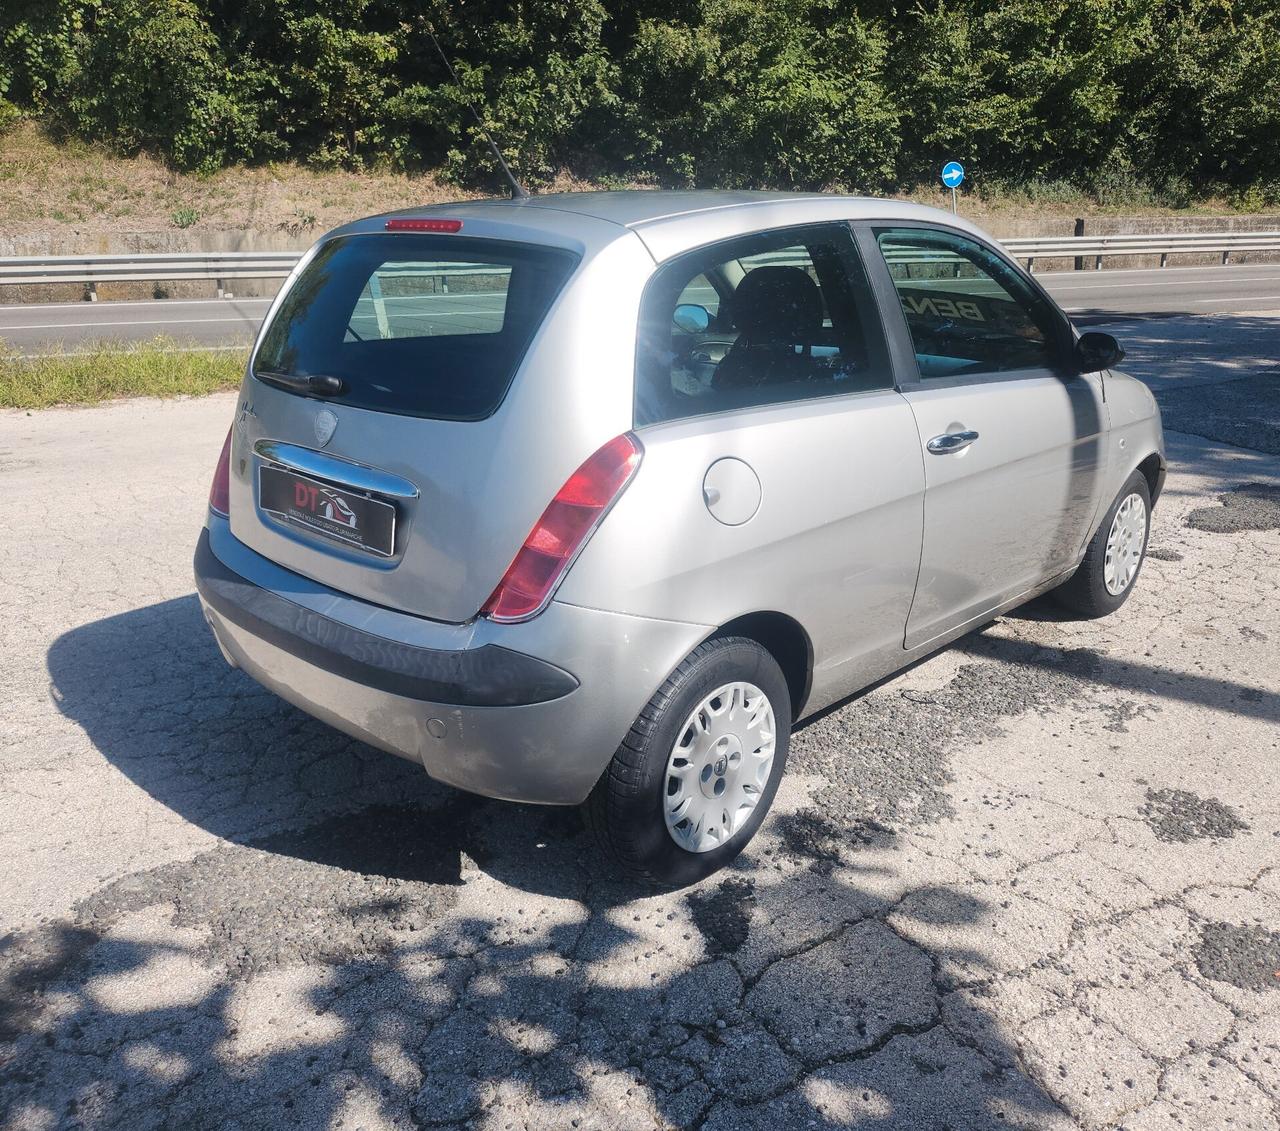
<point x="953" y="174"/>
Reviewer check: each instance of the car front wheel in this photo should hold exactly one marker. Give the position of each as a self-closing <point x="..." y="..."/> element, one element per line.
<point x="1114" y="555"/>
<point x="694" y="777"/>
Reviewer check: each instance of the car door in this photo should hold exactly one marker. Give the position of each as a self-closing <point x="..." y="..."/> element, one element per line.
<point x="1011" y="435"/>
<point x="782" y="470"/>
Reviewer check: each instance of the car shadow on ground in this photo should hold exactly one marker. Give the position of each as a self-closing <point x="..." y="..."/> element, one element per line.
<point x="465" y="958"/>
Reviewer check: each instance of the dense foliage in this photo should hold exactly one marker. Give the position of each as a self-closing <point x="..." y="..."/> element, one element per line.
<point x="1176" y="95"/>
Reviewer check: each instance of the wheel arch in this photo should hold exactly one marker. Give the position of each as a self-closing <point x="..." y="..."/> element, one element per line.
<point x="786" y="640"/>
<point x="1153" y="470"/>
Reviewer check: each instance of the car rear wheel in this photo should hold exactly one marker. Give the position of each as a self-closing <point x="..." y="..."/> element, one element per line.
<point x="1114" y="556"/>
<point x="696" y="774"/>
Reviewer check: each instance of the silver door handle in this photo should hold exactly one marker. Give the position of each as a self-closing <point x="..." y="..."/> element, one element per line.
<point x="951" y="442"/>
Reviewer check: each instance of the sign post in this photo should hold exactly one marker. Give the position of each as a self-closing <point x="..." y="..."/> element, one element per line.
<point x="953" y="178"/>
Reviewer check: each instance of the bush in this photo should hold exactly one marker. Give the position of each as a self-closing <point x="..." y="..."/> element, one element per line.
<point x="9" y="115"/>
<point x="755" y="92"/>
<point x="1155" y="100"/>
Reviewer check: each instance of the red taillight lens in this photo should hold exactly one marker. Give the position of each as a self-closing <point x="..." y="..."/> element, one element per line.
<point x="220" y="489"/>
<point x="563" y="530"/>
<point x="424" y="225"/>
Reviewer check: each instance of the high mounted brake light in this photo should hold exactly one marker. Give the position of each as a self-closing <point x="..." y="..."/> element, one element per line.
<point x="424" y="225"/>
<point x="559" y="535"/>
<point x="220" y="488"/>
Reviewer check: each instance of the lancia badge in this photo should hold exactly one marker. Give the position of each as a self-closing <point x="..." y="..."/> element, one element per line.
<point x="326" y="423"/>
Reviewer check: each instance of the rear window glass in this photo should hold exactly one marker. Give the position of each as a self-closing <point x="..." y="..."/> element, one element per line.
<point x="420" y="325"/>
<point x="763" y="319"/>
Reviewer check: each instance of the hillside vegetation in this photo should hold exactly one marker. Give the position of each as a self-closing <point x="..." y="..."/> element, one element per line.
<point x="1127" y="101"/>
<point x="84" y="193"/>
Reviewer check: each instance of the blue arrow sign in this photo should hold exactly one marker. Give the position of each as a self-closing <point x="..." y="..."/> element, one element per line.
<point x="953" y="174"/>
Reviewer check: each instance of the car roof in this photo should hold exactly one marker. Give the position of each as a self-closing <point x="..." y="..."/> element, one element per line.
<point x="632" y="207"/>
<point x="668" y="221"/>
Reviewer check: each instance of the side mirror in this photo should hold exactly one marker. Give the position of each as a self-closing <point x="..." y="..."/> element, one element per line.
<point x="1096" y="351"/>
<point x="691" y="318"/>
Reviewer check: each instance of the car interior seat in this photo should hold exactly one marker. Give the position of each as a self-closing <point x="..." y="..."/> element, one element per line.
<point x="777" y="312"/>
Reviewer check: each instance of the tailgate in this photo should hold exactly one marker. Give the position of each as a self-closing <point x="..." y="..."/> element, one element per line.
<point x="368" y="448"/>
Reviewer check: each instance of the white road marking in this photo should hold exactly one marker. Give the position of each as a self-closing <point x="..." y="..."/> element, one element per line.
<point x="150" y="322"/>
<point x="362" y="317"/>
<point x="246" y="319"/>
<point x="1236" y="305"/>
<point x="1238" y="298"/>
<point x="176" y="349"/>
<point x="113" y="303"/>
<point x="1102" y="285"/>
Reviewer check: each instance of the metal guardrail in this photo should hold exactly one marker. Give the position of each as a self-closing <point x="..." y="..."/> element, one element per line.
<point x="169" y="267"/>
<point x="1165" y="245"/>
<point x="220" y="267"/>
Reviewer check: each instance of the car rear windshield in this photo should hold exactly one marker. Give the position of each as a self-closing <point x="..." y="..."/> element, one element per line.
<point x="420" y="325"/>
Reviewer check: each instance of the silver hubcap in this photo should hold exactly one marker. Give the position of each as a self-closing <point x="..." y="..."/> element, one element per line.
<point x="1125" y="544"/>
<point x="719" y="766"/>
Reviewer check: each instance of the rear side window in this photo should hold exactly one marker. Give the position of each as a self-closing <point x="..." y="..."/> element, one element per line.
<point x="419" y="325"/>
<point x="969" y="312"/>
<point x="764" y="319"/>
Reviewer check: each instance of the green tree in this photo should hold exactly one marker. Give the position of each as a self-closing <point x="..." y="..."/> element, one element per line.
<point x="536" y="73"/>
<point x="757" y="92"/>
<point x="866" y="94"/>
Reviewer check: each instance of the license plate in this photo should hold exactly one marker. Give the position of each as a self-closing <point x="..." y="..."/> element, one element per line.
<point x="355" y="519"/>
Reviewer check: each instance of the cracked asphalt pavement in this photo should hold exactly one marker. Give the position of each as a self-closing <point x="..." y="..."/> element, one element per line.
<point x="1033" y="882"/>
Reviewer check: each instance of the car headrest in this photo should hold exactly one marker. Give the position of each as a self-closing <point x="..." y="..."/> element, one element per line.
<point x="780" y="304"/>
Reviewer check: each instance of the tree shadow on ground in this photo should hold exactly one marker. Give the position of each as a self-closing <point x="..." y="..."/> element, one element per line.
<point x="1123" y="674"/>
<point x="367" y="946"/>
<point x="600" y="1015"/>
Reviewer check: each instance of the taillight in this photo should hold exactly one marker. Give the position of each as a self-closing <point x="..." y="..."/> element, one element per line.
<point x="562" y="531"/>
<point x="419" y="225"/>
<point x="220" y="489"/>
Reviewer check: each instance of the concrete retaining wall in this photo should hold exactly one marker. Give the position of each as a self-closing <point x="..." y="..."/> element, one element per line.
<point x="250" y="239"/>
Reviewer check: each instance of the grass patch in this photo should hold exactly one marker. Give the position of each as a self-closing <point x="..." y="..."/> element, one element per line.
<point x="80" y="193"/>
<point x="161" y="367"/>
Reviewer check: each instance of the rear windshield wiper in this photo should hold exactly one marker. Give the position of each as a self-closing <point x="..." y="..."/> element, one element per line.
<point x="318" y="384"/>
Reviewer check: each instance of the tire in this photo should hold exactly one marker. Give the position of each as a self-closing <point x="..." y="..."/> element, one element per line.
<point x="626" y="809"/>
<point x="1088" y="592"/>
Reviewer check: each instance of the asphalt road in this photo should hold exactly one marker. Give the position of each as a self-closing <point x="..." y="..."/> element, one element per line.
<point x="1089" y="296"/>
<point x="1032" y="882"/>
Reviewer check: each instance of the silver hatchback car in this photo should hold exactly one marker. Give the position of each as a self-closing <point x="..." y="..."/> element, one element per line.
<point x="589" y="497"/>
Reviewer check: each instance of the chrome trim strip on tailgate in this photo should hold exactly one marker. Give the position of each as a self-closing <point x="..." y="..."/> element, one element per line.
<point x="340" y="471"/>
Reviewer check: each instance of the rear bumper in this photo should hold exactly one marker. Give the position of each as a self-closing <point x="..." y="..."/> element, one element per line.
<point x="487" y="676"/>
<point x="529" y="712"/>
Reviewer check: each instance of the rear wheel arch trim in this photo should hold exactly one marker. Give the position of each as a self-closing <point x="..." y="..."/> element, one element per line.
<point x="1154" y="467"/>
<point x="786" y="640"/>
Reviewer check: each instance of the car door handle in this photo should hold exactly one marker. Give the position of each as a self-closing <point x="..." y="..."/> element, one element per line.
<point x="951" y="442"/>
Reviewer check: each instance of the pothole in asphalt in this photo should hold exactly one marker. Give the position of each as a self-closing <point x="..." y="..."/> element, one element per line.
<point x="1253" y="506"/>
<point x="723" y="916"/>
<point x="1177" y="816"/>
<point x="1246" y="957"/>
<point x="886" y="757"/>
<point x="1161" y="554"/>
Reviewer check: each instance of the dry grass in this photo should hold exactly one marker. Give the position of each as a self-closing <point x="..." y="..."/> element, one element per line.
<point x="76" y="187"/>
<point x="161" y="367"/>
<point x="86" y="190"/>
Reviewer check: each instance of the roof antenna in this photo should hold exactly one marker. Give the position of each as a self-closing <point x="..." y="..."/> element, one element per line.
<point x="517" y="189"/>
